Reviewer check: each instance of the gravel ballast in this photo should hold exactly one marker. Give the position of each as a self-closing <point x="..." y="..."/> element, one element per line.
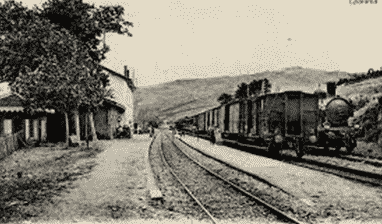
<point x="175" y="198"/>
<point x="219" y="198"/>
<point x="353" y="202"/>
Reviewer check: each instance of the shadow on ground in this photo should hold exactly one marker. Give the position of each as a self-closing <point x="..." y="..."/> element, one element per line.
<point x="29" y="182"/>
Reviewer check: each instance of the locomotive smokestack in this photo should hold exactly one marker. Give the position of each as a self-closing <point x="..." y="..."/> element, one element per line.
<point x="331" y="88"/>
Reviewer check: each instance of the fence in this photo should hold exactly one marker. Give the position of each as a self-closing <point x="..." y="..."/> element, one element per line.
<point x="11" y="143"/>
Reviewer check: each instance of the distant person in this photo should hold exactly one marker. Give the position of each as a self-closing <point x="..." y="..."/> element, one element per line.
<point x="218" y="135"/>
<point x="151" y="131"/>
<point x="212" y="134"/>
<point x="173" y="133"/>
<point x="195" y="132"/>
<point x="180" y="131"/>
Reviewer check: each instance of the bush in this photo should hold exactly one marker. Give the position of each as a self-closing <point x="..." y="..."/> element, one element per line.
<point x="359" y="102"/>
<point x="102" y="136"/>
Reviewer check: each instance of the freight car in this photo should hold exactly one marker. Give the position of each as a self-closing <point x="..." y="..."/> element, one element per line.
<point x="286" y="120"/>
<point x="277" y="120"/>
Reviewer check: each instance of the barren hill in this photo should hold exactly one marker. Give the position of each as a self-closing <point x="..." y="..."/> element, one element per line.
<point x="173" y="100"/>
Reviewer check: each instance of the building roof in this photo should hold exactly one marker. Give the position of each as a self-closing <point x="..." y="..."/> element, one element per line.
<point x="120" y="107"/>
<point x="128" y="80"/>
<point x="12" y="102"/>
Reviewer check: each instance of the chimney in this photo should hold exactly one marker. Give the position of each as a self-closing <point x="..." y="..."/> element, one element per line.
<point x="126" y="72"/>
<point x="331" y="88"/>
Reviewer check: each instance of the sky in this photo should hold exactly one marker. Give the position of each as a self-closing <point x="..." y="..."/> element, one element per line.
<point x="200" y="39"/>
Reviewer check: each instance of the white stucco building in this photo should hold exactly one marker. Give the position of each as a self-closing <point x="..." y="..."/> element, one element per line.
<point x="122" y="88"/>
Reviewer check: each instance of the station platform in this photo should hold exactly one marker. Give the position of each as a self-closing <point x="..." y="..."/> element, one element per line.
<point x="307" y="185"/>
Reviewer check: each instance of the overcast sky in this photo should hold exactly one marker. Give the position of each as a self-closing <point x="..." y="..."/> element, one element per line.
<point x="196" y="39"/>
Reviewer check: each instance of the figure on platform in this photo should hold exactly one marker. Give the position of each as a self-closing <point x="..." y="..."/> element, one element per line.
<point x="152" y="131"/>
<point x="218" y="135"/>
<point x="173" y="133"/>
<point x="212" y="133"/>
<point x="195" y="130"/>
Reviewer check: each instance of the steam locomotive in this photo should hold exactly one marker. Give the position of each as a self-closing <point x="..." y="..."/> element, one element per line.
<point x="284" y="120"/>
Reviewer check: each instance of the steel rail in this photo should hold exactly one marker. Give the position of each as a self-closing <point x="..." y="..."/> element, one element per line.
<point x="374" y="179"/>
<point x="377" y="163"/>
<point x="184" y="186"/>
<point x="248" y="194"/>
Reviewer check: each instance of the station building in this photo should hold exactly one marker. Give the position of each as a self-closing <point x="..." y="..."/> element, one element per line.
<point x="50" y="125"/>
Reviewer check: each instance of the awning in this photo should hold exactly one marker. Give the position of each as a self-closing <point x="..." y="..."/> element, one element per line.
<point x="21" y="109"/>
<point x="11" y="109"/>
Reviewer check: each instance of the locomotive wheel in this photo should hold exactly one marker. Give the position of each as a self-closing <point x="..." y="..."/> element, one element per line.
<point x="299" y="148"/>
<point x="326" y="147"/>
<point x="352" y="145"/>
<point x="349" y="149"/>
<point x="274" y="148"/>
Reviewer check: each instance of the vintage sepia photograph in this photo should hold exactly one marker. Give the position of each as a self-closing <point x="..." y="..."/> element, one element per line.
<point x="188" y="111"/>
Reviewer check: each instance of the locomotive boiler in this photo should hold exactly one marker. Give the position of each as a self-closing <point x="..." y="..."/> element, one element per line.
<point x="336" y="131"/>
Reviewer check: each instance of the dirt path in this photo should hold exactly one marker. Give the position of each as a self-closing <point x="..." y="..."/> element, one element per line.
<point x="76" y="185"/>
<point x="115" y="189"/>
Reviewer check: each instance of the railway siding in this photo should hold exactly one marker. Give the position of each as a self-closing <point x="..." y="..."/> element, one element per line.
<point x="329" y="193"/>
<point x="218" y="197"/>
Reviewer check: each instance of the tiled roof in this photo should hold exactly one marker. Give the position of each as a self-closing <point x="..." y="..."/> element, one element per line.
<point x="13" y="103"/>
<point x="10" y="100"/>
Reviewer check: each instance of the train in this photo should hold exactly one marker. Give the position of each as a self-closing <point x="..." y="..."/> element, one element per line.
<point x="282" y="120"/>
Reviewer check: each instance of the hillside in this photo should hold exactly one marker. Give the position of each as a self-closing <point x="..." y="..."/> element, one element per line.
<point x="186" y="97"/>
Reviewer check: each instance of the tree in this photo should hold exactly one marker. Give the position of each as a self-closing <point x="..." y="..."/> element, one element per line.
<point x="55" y="71"/>
<point x="266" y="85"/>
<point x="63" y="87"/>
<point x="86" y="22"/>
<point x="224" y="98"/>
<point x="255" y="87"/>
<point x="29" y="39"/>
<point x="147" y="116"/>
<point x="22" y="36"/>
<point x="242" y="91"/>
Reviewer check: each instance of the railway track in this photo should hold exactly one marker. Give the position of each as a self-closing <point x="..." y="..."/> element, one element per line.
<point x="203" y="185"/>
<point x="374" y="179"/>
<point x="363" y="160"/>
<point x="373" y="162"/>
<point x="365" y="177"/>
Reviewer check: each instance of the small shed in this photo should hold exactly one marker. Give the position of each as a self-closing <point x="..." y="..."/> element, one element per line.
<point x="13" y="119"/>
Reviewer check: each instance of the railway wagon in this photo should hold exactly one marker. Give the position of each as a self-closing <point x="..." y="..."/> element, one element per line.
<point x="207" y="120"/>
<point x="286" y="120"/>
<point x="215" y="117"/>
<point x="221" y="118"/>
<point x="277" y="120"/>
<point x="231" y="120"/>
<point x="200" y="122"/>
